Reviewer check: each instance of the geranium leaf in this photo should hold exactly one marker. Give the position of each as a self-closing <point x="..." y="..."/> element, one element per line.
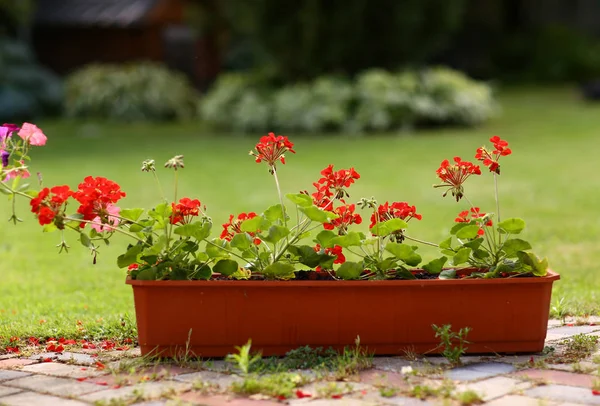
<point x="274" y="213"/>
<point x="461" y="256"/>
<point x="148" y="274"/>
<point x="404" y="252"/>
<point x="85" y="240"/>
<point x="318" y="215"/>
<point x="226" y="267"/>
<point x="279" y="270"/>
<point x="324" y="237"/>
<point x="474" y="244"/>
<point x="457" y="227"/>
<point x="404" y="274"/>
<point x="352" y="239"/>
<point x="448" y="274"/>
<point x="130" y="256"/>
<point x="468" y="232"/>
<point x="511" y="226"/>
<point x="203" y="272"/>
<point x="254" y="224"/>
<point x="276" y="233"/>
<point x="131" y="214"/>
<point x="539" y="267"/>
<point x="241" y="241"/>
<point x="217" y="249"/>
<point x="514" y="245"/>
<point x="349" y="270"/>
<point x="387" y="227"/>
<point x="300" y="199"/>
<point x="447" y="243"/>
<point x="435" y="266"/>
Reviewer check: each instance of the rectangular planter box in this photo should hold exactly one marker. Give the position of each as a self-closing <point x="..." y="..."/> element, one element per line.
<point x="209" y="318"/>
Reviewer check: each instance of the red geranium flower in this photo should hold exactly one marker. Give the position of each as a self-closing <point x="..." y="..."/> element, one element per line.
<point x="336" y="251"/>
<point x="231" y="228"/>
<point x="346" y="217"/>
<point x="336" y="181"/>
<point x="184" y="211"/>
<point x="50" y="204"/>
<point x="475" y="214"/>
<point x="271" y="148"/>
<point x="454" y="175"/>
<point x="400" y="210"/>
<point x="96" y="196"/>
<point x="490" y="159"/>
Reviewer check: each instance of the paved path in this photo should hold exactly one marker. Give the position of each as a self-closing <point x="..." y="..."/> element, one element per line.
<point x="76" y="378"/>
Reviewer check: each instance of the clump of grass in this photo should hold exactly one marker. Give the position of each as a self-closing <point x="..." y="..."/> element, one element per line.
<point x="469" y="397"/>
<point x="576" y="348"/>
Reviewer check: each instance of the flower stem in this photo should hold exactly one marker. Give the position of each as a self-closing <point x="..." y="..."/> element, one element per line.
<point x="111" y="227"/>
<point x="421" y="241"/>
<point x="279" y="194"/>
<point x="497" y="204"/>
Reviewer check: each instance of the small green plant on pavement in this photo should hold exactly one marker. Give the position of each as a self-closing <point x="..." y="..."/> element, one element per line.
<point x="243" y="360"/>
<point x="453" y="343"/>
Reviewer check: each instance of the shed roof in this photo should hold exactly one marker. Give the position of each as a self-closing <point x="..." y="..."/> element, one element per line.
<point x="117" y="13"/>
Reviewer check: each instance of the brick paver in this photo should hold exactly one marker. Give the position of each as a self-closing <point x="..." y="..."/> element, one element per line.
<point x="73" y="378"/>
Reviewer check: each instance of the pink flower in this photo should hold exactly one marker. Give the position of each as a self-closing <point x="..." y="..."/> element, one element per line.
<point x="111" y="218"/>
<point x="32" y="134"/>
<point x="16" y="172"/>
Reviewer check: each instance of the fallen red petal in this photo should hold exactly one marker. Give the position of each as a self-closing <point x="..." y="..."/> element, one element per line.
<point x="300" y="394"/>
<point x="81" y="379"/>
<point x="47" y="360"/>
<point x="103" y="383"/>
<point x="595" y="392"/>
<point x="100" y="365"/>
<point x="336" y="396"/>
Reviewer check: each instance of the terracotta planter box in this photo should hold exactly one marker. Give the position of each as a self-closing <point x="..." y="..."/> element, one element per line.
<point x="505" y="315"/>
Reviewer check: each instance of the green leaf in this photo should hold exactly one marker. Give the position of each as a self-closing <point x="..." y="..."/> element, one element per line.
<point x="276" y="233"/>
<point x="279" y="270"/>
<point x="324" y="237"/>
<point x="349" y="270"/>
<point x="274" y="213"/>
<point x="480" y="254"/>
<point x="318" y="215"/>
<point x="203" y="232"/>
<point x="435" y="266"/>
<point x="130" y="256"/>
<point x="218" y="250"/>
<point x="148" y="274"/>
<point x="300" y="199"/>
<point x="85" y="240"/>
<point x="388" y="227"/>
<point x="131" y="214"/>
<point x="254" y="224"/>
<point x="226" y="267"/>
<point x="474" y="244"/>
<point x="511" y="226"/>
<point x="458" y="226"/>
<point x="188" y="230"/>
<point x="49" y="228"/>
<point x="157" y="247"/>
<point x="203" y="272"/>
<point x="241" y="241"/>
<point x="405" y="274"/>
<point x="309" y="257"/>
<point x="461" y="256"/>
<point x="539" y="267"/>
<point x="202" y="257"/>
<point x="446" y="244"/>
<point x="448" y="274"/>
<point x="468" y="232"/>
<point x="404" y="253"/>
<point x="178" y="274"/>
<point x="514" y="245"/>
<point x="352" y="239"/>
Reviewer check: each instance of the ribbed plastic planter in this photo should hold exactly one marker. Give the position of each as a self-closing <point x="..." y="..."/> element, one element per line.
<point x="209" y="318"/>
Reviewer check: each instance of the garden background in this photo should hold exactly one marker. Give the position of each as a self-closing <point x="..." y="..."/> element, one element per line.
<point x="387" y="87"/>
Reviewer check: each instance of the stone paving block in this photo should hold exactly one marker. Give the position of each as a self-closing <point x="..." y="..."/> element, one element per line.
<point x="337" y="402"/>
<point x="517" y="400"/>
<point x="155" y="403"/>
<point x="224" y="381"/>
<point x="218" y="365"/>
<point x="12" y="363"/>
<point x="9" y="374"/>
<point x="145" y="390"/>
<point x="45" y="355"/>
<point x="479" y="371"/>
<point x="564" y="393"/>
<point x="394" y="364"/>
<point x="77" y="358"/>
<point x="569" y="331"/>
<point x="552" y="323"/>
<point x="557" y="377"/>
<point x="36" y="399"/>
<point x="375" y="397"/>
<point x="62" y="370"/>
<point x="5" y="391"/>
<point x="196" y="398"/>
<point x="317" y="389"/>
<point x="383" y="378"/>
<point x="519" y="359"/>
<point x="53" y="385"/>
<point x="495" y="387"/>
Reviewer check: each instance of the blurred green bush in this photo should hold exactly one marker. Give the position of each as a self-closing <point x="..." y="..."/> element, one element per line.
<point x="27" y="90"/>
<point x="376" y="100"/>
<point x="141" y="91"/>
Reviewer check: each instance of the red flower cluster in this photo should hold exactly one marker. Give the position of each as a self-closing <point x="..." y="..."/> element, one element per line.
<point x="50" y="207"/>
<point x="231" y="228"/>
<point x="336" y="251"/>
<point x="184" y="211"/>
<point x="463" y="217"/>
<point x="332" y="183"/>
<point x="397" y="210"/>
<point x="346" y="217"/>
<point x="272" y="148"/>
<point x="96" y="195"/>
<point x="454" y="175"/>
<point x="490" y="159"/>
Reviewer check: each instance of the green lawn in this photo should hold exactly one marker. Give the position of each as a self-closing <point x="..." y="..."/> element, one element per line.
<point x="550" y="181"/>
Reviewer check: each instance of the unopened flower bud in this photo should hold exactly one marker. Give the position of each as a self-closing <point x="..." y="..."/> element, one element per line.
<point x="175" y="162"/>
<point x="148" y="165"/>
